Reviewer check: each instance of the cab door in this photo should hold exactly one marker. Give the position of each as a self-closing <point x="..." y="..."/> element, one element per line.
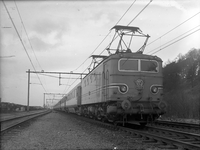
<point x="105" y="82"/>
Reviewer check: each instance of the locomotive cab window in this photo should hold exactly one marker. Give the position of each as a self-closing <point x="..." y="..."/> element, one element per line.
<point x="149" y="65"/>
<point x="128" y="65"/>
<point x="138" y="65"/>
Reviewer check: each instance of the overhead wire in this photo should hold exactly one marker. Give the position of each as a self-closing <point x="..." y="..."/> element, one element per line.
<point x="101" y="43"/>
<point x="55" y="76"/>
<point x="173" y="29"/>
<point x="139" y="12"/>
<point x="175" y="41"/>
<point x="132" y="19"/>
<point x="106" y="35"/>
<point x="67" y="84"/>
<point x="22" y="42"/>
<point x="27" y="35"/>
<point x="93" y="51"/>
<point x="125" y="12"/>
<point x="71" y="84"/>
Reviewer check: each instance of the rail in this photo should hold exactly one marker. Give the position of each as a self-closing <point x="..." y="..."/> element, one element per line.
<point x="155" y="136"/>
<point x="178" y="124"/>
<point x="8" y="123"/>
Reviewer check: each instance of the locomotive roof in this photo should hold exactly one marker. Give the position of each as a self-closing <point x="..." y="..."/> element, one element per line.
<point x="134" y="55"/>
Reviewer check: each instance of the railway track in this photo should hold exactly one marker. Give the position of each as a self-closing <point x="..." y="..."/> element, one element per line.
<point x="11" y="122"/>
<point x="178" y="138"/>
<point x="159" y="137"/>
<point x="177" y="125"/>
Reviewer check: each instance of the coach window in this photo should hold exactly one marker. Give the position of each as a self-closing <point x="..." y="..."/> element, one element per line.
<point x="128" y="65"/>
<point x="149" y="66"/>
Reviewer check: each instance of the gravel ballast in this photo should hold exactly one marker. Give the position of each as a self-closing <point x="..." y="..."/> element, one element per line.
<point x="63" y="131"/>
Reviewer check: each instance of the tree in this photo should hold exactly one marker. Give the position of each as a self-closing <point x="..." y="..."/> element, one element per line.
<point x="193" y="59"/>
<point x="171" y="73"/>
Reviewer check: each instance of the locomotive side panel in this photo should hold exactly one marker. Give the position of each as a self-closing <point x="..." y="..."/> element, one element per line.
<point x="92" y="86"/>
<point x="109" y="69"/>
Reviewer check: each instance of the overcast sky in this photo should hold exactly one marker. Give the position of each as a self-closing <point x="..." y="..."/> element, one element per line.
<point x="63" y="34"/>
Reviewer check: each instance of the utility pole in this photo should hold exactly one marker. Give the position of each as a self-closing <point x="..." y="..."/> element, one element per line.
<point x="28" y="89"/>
<point x="42" y="72"/>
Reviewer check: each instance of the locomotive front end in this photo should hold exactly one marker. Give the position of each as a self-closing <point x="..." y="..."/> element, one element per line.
<point x="137" y="88"/>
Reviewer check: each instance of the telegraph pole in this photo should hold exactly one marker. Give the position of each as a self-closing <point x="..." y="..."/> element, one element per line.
<point x="28" y="89"/>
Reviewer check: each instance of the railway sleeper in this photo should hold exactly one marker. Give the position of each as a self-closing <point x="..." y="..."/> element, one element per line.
<point x="149" y="141"/>
<point x="196" y="142"/>
<point x="168" y="147"/>
<point x="188" y="140"/>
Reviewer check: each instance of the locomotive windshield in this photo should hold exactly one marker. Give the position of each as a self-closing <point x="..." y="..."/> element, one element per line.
<point x="149" y="65"/>
<point x="128" y="65"/>
<point x="138" y="65"/>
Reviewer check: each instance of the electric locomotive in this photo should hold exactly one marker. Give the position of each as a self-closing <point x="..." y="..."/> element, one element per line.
<point x="123" y="87"/>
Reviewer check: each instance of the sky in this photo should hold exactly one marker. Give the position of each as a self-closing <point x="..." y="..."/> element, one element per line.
<point x="60" y="36"/>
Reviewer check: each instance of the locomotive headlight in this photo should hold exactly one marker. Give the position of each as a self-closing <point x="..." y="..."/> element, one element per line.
<point x="123" y="88"/>
<point x="154" y="89"/>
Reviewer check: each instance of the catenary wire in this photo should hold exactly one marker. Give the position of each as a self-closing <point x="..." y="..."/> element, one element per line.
<point x="125" y="12"/>
<point x="101" y="43"/>
<point x="173" y="39"/>
<point x="27" y="35"/>
<point x="173" y="29"/>
<point x="106" y="35"/>
<point x="139" y="13"/>
<point x="22" y="43"/>
<point x="132" y="19"/>
<point x="55" y="76"/>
